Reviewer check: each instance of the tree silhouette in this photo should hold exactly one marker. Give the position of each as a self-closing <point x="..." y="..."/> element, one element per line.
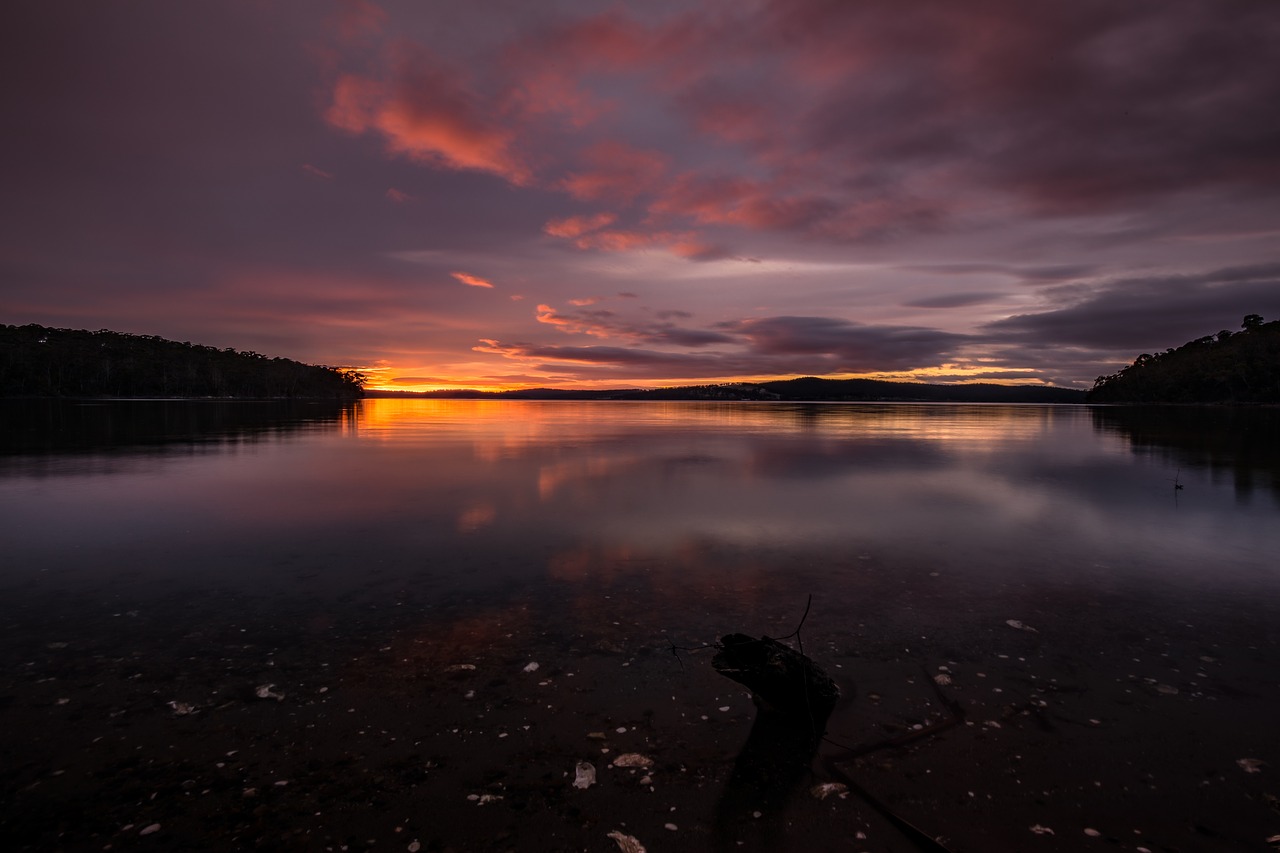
<point x="1240" y="367"/>
<point x="36" y="361"/>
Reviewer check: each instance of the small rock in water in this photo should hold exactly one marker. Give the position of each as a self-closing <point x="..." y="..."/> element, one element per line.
<point x="1251" y="765"/>
<point x="265" y="691"/>
<point x="1014" y="623"/>
<point x="942" y="679"/>
<point x="627" y="843"/>
<point x="532" y="666"/>
<point x="584" y="775"/>
<point x="460" y="667"/>
<point x="182" y="709"/>
<point x="414" y="846"/>
<point x="632" y="759"/>
<point x="147" y="830"/>
<point x="1041" y="830"/>
<point x="826" y="789"/>
<point x="1092" y="833"/>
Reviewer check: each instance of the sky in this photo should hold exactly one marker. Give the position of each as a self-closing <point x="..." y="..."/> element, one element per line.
<point x="507" y="194"/>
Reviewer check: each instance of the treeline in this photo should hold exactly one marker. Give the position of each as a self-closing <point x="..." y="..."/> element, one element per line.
<point x="37" y="361"/>
<point x="1229" y="367"/>
<point x="805" y="389"/>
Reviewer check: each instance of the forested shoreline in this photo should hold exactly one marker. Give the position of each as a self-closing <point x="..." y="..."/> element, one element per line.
<point x="1229" y="367"/>
<point x="38" y="361"/>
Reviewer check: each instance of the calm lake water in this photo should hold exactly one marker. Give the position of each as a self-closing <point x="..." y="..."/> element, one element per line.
<point x="1098" y="587"/>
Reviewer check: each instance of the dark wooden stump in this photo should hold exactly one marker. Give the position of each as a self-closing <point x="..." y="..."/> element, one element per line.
<point x="781" y="680"/>
<point x="794" y="698"/>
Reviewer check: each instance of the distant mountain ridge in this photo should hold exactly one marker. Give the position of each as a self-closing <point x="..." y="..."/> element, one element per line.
<point x="803" y="389"/>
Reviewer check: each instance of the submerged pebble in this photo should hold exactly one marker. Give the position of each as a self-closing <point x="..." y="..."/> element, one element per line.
<point x="632" y="759"/>
<point x="627" y="843"/>
<point x="265" y="691"/>
<point x="584" y="775"/>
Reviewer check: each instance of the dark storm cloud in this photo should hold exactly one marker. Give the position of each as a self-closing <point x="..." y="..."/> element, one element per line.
<point x="602" y="323"/>
<point x="954" y="300"/>
<point x="1026" y="274"/>
<point x="1151" y="313"/>
<point x="1073" y="107"/>
<point x="774" y="345"/>
<point x="854" y="346"/>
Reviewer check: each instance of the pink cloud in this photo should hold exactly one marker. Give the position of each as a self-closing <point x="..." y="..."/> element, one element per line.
<point x="357" y="19"/>
<point x="616" y="171"/>
<point x="604" y="324"/>
<point x="609" y="41"/>
<point x="584" y="301"/>
<point x="619" y="240"/>
<point x="590" y="324"/>
<point x="552" y="91"/>
<point x="316" y="171"/>
<point x="471" y="280"/>
<point x="576" y="226"/>
<point x="735" y="120"/>
<point x="428" y="113"/>
<point x="398" y="196"/>
<point x="742" y="202"/>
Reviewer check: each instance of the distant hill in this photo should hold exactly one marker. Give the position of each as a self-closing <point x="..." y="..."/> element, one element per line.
<point x="809" y="388"/>
<point x="37" y="361"/>
<point x="1239" y="367"/>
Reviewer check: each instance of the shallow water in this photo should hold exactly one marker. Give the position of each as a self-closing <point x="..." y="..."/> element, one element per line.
<point x="159" y="555"/>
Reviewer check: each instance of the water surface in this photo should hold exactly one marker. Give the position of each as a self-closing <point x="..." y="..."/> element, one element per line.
<point x="165" y="554"/>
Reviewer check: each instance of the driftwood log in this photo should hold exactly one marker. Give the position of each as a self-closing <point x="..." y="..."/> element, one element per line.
<point x="793" y="698"/>
<point x="781" y="680"/>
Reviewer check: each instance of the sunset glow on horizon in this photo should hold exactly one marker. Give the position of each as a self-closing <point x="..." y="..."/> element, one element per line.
<point x="603" y="195"/>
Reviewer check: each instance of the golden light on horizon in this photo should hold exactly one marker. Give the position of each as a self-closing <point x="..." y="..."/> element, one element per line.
<point x="389" y="379"/>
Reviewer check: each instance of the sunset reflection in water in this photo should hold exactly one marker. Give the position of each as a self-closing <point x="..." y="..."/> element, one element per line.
<point x="396" y="567"/>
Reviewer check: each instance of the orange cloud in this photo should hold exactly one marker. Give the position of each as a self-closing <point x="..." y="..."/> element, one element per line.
<point x="584" y="301"/>
<point x="472" y="280"/>
<point x="580" y="325"/>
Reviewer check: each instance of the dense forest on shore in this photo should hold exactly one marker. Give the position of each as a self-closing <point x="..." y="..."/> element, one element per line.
<point x="1229" y="367"/>
<point x="37" y="361"/>
<point x="805" y="389"/>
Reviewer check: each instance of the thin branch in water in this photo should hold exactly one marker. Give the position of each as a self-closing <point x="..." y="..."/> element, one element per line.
<point x="796" y="632"/>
